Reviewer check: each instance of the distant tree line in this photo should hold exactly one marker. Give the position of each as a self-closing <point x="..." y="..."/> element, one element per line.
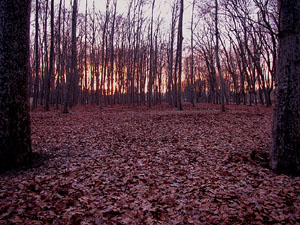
<point x="106" y="58"/>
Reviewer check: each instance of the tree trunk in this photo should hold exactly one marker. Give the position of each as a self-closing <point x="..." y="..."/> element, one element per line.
<point x="46" y="59"/>
<point x="112" y="53"/>
<point x="179" y="52"/>
<point x="218" y="59"/>
<point x="58" y="65"/>
<point x="72" y="81"/>
<point x="75" y="89"/>
<point x="192" y="93"/>
<point x="171" y="58"/>
<point x="103" y="55"/>
<point x="63" y="56"/>
<point x="151" y="59"/>
<point x="51" y="69"/>
<point x="85" y="56"/>
<point x="285" y="149"/>
<point x="14" y="71"/>
<point x="37" y="60"/>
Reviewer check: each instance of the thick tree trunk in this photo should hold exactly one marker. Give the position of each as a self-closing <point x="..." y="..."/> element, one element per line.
<point x="285" y="149"/>
<point x="15" y="144"/>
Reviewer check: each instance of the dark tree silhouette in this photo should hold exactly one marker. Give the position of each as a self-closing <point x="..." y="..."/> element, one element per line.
<point x="285" y="150"/>
<point x="15" y="143"/>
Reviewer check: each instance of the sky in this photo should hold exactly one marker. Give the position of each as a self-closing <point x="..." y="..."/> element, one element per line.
<point x="162" y="8"/>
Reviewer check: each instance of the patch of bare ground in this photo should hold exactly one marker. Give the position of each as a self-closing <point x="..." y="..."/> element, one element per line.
<point x="123" y="165"/>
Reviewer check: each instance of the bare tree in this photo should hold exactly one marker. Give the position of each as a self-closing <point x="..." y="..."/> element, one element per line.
<point x="192" y="55"/>
<point x="37" y="57"/>
<point x="172" y="89"/>
<point x="179" y="53"/>
<point x="112" y="51"/>
<point x="218" y="57"/>
<point x="104" y="38"/>
<point x="72" y="84"/>
<point x="150" y="82"/>
<point x="51" y="69"/>
<point x="46" y="59"/>
<point x="14" y="72"/>
<point x="85" y="56"/>
<point x="59" y="58"/>
<point x="285" y="149"/>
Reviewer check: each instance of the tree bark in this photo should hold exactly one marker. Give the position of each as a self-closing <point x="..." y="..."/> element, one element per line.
<point x="14" y="72"/>
<point x="285" y="149"/>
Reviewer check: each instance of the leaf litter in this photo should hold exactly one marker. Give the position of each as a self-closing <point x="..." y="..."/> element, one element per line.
<point x="150" y="166"/>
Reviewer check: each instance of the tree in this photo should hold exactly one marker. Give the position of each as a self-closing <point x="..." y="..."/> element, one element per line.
<point x="172" y="89"/>
<point x="151" y="58"/>
<point x="51" y="69"/>
<point x="71" y="82"/>
<point x="179" y="54"/>
<point x="103" y="55"/>
<point x="218" y="58"/>
<point x="59" y="68"/>
<point x="285" y="149"/>
<point x="14" y="72"/>
<point x="46" y="60"/>
<point x="75" y="79"/>
<point x="37" y="56"/>
<point x="192" y="55"/>
<point x="85" y="55"/>
<point x="111" y="85"/>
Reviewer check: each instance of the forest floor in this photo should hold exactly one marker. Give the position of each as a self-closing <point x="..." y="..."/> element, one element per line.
<point x="157" y="166"/>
